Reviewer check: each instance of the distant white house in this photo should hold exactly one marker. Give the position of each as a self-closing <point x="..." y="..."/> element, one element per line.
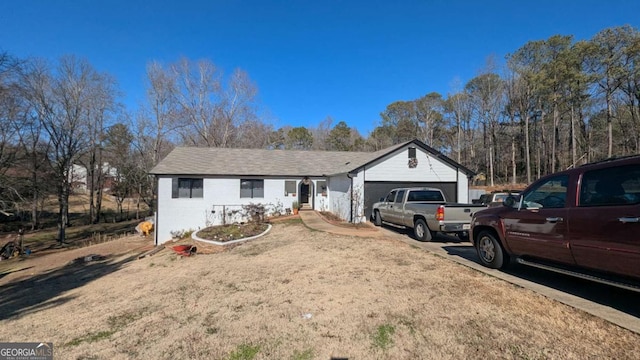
<point x="79" y="181"/>
<point x="200" y="187"/>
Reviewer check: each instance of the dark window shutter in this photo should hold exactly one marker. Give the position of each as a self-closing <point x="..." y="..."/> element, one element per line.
<point x="174" y="188"/>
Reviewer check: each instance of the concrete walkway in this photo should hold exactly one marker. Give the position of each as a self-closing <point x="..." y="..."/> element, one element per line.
<point x="316" y="222"/>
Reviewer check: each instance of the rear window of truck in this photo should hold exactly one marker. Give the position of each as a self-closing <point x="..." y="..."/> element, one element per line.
<point x="611" y="186"/>
<point x="425" y="195"/>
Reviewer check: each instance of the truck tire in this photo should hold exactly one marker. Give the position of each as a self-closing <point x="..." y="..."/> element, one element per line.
<point x="490" y="251"/>
<point x="377" y="220"/>
<point x="421" y="231"/>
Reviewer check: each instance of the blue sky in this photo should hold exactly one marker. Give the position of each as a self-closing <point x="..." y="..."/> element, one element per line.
<point x="309" y="59"/>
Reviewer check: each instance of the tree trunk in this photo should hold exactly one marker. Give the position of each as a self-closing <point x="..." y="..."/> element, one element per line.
<point x="513" y="161"/>
<point x="491" y="150"/>
<point x="527" y="148"/>
<point x="554" y="137"/>
<point x="459" y="123"/>
<point x="90" y="187"/>
<point x="34" y="206"/>
<point x="543" y="148"/>
<point x="99" y="186"/>
<point x="574" y="151"/>
<point x="609" y="126"/>
<point x="63" y="216"/>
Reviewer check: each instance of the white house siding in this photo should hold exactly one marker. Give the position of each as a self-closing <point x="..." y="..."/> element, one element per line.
<point x="320" y="202"/>
<point x="182" y="214"/>
<point x="463" y="187"/>
<point x="395" y="168"/>
<point x="358" y="197"/>
<point x="178" y="214"/>
<point x="340" y="195"/>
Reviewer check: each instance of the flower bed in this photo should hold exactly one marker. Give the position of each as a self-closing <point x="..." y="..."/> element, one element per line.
<point x="225" y="233"/>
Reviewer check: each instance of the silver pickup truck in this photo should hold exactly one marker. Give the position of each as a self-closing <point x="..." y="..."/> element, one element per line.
<point x="426" y="211"/>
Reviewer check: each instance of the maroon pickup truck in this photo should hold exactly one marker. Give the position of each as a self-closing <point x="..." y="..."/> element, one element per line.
<point x="583" y="222"/>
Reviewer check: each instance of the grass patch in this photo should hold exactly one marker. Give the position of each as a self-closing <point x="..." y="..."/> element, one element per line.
<point x="382" y="337"/>
<point x="115" y="323"/>
<point x="302" y="355"/>
<point x="292" y="221"/>
<point x="91" y="337"/>
<point x="244" y="352"/>
<point x="119" y="321"/>
<point x="74" y="233"/>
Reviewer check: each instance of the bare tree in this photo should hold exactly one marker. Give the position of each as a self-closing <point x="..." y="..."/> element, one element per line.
<point x="192" y="99"/>
<point x="63" y="99"/>
<point x="101" y="108"/>
<point x="238" y="106"/>
<point x="605" y="62"/>
<point x="156" y="126"/>
<point x="119" y="155"/>
<point x="428" y="113"/>
<point x="486" y="94"/>
<point x="321" y="134"/>
<point x="253" y="134"/>
<point x="11" y="112"/>
<point x="197" y="93"/>
<point x="34" y="144"/>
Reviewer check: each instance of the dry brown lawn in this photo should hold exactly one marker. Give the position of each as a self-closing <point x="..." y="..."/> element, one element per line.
<point x="296" y="294"/>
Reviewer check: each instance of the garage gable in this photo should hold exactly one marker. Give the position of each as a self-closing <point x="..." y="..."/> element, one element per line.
<point x="410" y="164"/>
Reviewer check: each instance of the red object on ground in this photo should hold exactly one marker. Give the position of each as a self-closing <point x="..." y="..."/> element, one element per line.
<point x="184" y="250"/>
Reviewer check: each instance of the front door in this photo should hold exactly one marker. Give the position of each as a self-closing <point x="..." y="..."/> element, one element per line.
<point x="539" y="228"/>
<point x="304" y="194"/>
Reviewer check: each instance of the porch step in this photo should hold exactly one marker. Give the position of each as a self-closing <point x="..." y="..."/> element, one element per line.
<point x="305" y="207"/>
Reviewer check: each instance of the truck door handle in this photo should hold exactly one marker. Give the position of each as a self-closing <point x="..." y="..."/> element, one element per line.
<point x="554" y="219"/>
<point x="629" y="219"/>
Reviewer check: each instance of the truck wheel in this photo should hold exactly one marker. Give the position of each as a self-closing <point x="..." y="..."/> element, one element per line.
<point x="377" y="220"/>
<point x="421" y="231"/>
<point x="490" y="251"/>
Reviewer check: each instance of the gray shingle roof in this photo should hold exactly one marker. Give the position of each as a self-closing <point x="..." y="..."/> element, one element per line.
<point x="217" y="161"/>
<point x="260" y="162"/>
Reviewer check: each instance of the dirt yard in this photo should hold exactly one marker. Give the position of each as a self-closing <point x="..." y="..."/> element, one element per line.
<point x="293" y="294"/>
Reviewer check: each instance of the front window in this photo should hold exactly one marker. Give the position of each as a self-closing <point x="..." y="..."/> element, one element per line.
<point x="289" y="187"/>
<point x="391" y="197"/>
<point x="251" y="188"/>
<point x="400" y="196"/>
<point x="186" y="188"/>
<point x="550" y="194"/>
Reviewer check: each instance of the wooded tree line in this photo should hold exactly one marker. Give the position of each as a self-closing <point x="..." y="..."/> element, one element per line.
<point x="555" y="103"/>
